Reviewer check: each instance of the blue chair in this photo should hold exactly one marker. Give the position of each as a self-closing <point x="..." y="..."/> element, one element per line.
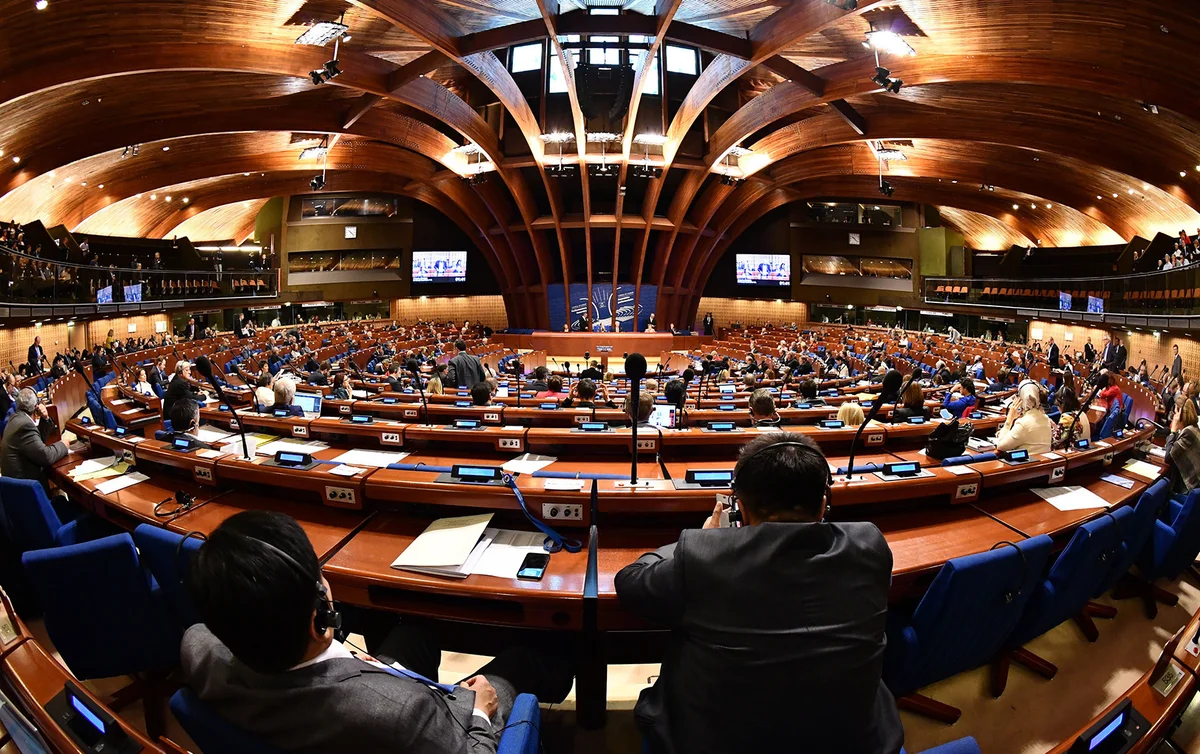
<point x="1077" y="573"/>
<point x="961" y="746"/>
<point x="1126" y="410"/>
<point x="1135" y="525"/>
<point x="214" y="735"/>
<point x="1171" y="550"/>
<point x="1111" y="423"/>
<point x="100" y="415"/>
<point x="30" y="518"/>
<point x="105" y="619"/>
<point x="962" y="621"/>
<point x="160" y="552"/>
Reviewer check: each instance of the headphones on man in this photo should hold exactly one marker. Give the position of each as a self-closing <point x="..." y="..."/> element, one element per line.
<point x="735" y="512"/>
<point x="327" y="616"/>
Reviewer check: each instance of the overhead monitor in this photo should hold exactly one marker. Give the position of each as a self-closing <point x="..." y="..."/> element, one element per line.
<point x="1095" y="305"/>
<point x="439" y="267"/>
<point x="104" y="295"/>
<point x="1064" y="301"/>
<point x="764" y="269"/>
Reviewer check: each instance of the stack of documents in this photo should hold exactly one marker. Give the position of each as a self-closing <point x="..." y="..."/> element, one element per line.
<point x="459" y="547"/>
<point x="98" y="468"/>
<point x="376" y="459"/>
<point x="1068" y="498"/>
<point x="291" y="446"/>
<point x="1143" y="469"/>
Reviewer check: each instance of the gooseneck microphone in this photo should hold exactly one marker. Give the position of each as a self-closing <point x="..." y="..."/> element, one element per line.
<point x="887" y="393"/>
<point x="204" y="367"/>
<point x="516" y="369"/>
<point x="1075" y="422"/>
<point x="635" y="370"/>
<point x="415" y="367"/>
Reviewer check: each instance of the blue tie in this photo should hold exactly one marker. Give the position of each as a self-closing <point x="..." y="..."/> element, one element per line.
<point x="405" y="673"/>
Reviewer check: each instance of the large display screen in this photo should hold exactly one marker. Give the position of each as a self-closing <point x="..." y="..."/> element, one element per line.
<point x="764" y="269"/>
<point x="1095" y="305"/>
<point x="439" y="267"/>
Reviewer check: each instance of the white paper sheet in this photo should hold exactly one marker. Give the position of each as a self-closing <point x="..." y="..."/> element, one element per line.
<point x="120" y="483"/>
<point x="445" y="542"/>
<point x="210" y="453"/>
<point x="211" y="435"/>
<point x="564" y="484"/>
<point x="137" y="410"/>
<point x="1158" y="452"/>
<point x="375" y="459"/>
<point x="122" y="401"/>
<point x="527" y="463"/>
<point x="1071" y="498"/>
<point x="344" y="470"/>
<point x="93" y="464"/>
<point x="1143" y="469"/>
<point x="959" y="470"/>
<point x="1120" y="481"/>
<point x="503" y="556"/>
<point x="289" y="446"/>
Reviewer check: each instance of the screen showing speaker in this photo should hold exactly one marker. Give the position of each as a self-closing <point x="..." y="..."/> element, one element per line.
<point x="439" y="267"/>
<point x="1095" y="305"/>
<point x="764" y="269"/>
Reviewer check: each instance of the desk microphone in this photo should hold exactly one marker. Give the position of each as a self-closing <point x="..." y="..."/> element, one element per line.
<point x="1075" y="421"/>
<point x="204" y="367"/>
<point x="635" y="370"/>
<point x="887" y="393"/>
<point x="516" y="369"/>
<point x="414" y="366"/>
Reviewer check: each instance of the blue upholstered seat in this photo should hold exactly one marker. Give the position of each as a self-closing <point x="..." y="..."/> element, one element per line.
<point x="160" y="552"/>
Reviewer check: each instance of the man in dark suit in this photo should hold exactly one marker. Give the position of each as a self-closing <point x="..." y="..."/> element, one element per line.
<point x="25" y="454"/>
<point x="1052" y="360"/>
<point x="466" y="370"/>
<point x="785" y="613"/>
<point x="189" y="332"/>
<point x="708" y="324"/>
<point x="99" y="363"/>
<point x="266" y="660"/>
<point x="394" y="381"/>
<point x="1089" y="351"/>
<point x="592" y="372"/>
<point x="157" y="376"/>
<point x="35" y="356"/>
<point x="1176" y="363"/>
<point x="1115" y="356"/>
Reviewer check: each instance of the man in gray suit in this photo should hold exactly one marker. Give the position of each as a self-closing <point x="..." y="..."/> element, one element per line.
<point x="777" y="625"/>
<point x="25" y="453"/>
<point x="265" y="658"/>
<point x="466" y="370"/>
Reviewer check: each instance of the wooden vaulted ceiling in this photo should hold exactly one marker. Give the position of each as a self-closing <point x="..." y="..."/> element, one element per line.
<point x="1042" y="100"/>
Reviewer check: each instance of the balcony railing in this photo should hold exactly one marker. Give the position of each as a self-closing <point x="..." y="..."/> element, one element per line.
<point x="1163" y="293"/>
<point x="35" y="281"/>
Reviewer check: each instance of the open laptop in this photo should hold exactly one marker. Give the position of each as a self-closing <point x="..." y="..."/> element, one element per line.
<point x="663" y="417"/>
<point x="310" y="403"/>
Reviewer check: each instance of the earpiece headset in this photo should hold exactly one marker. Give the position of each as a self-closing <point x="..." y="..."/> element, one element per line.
<point x="735" y="512"/>
<point x="1015" y="592"/>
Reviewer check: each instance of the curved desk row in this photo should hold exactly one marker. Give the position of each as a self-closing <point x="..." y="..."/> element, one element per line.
<point x="926" y="520"/>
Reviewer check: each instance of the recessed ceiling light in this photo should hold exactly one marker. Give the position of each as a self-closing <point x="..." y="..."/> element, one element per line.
<point x="1114" y="196"/>
<point x="51" y="174"/>
<point x="101" y="186"/>
<point x="139" y="196"/>
<point x="17" y="160"/>
<point x="245" y="174"/>
<point x="954" y="181"/>
<point x="1016" y="206"/>
<point x="1048" y="206"/>
<point x="1183" y="174"/>
<point x="155" y="196"/>
<point x="1131" y="192"/>
<point x="41" y="4"/>
<point x="83" y="183"/>
<point x="186" y="200"/>
<point x="245" y="204"/>
<point x="1099" y="197"/>
<point x="166" y="149"/>
<point x="1033" y="206"/>
<point x="167" y="198"/>
<point x="1145" y="187"/>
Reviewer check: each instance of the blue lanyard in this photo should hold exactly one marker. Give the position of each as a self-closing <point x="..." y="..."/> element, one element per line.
<point x="404" y="673"/>
<point x="554" y="541"/>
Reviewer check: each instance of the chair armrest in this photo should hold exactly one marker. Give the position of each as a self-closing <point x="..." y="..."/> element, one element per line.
<point x="961" y="746"/>
<point x="522" y="732"/>
<point x="67" y="534"/>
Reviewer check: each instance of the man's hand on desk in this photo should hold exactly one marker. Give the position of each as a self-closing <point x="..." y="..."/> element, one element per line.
<point x="486" y="700"/>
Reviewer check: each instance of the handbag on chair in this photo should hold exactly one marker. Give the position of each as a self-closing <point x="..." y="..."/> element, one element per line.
<point x="948" y="439"/>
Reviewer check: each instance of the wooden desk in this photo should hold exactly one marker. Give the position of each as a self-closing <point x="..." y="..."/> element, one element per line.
<point x="319" y="482"/>
<point x="327" y="528"/>
<point x="1029" y="514"/>
<point x="511" y="439"/>
<point x="387" y="433"/>
<point x="361" y="573"/>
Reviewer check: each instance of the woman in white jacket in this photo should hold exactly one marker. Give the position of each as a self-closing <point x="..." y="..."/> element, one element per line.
<point x="1027" y="426"/>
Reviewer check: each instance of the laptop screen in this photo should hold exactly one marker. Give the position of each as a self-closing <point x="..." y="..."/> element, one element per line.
<point x="663" y="416"/>
<point x="310" y="403"/>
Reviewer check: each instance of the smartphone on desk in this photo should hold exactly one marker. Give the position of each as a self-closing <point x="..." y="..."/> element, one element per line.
<point x="533" y="567"/>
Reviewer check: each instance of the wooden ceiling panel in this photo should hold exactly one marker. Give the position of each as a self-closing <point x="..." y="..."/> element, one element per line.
<point x="227" y="222"/>
<point x="982" y="232"/>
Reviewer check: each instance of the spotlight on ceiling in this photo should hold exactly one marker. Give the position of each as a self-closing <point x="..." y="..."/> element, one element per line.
<point x="1152" y="109"/>
<point x="882" y="77"/>
<point x="730" y="180"/>
<point x="325" y="73"/>
<point x="317" y="183"/>
<point x="41" y="4"/>
<point x="641" y="170"/>
<point x="478" y="179"/>
<point x="560" y="170"/>
<point x="604" y="169"/>
<point x="886" y="189"/>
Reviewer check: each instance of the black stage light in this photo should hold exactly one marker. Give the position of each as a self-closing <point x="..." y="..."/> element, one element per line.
<point x="894" y="86"/>
<point x="332" y="70"/>
<point x="886" y="189"/>
<point x="317" y="183"/>
<point x="881" y="76"/>
<point x="318" y="76"/>
<point x="646" y="171"/>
